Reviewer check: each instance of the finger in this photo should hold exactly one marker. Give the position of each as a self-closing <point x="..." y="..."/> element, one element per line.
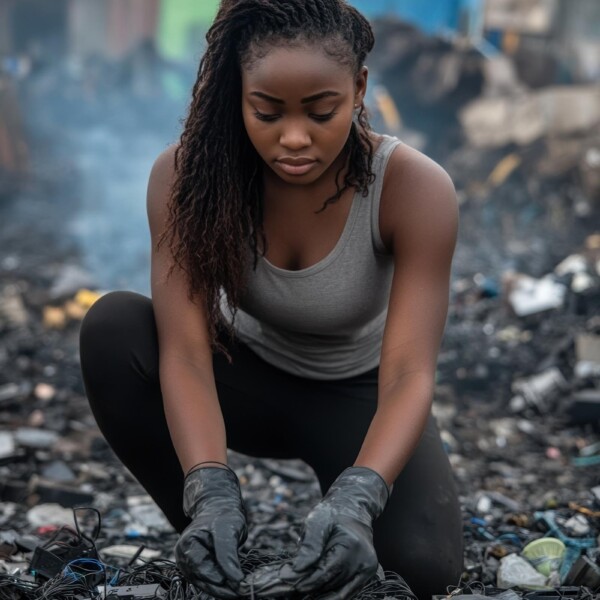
<point x="270" y="581"/>
<point x="333" y="570"/>
<point x="348" y="591"/>
<point x="311" y="545"/>
<point x="195" y="561"/>
<point x="226" y="554"/>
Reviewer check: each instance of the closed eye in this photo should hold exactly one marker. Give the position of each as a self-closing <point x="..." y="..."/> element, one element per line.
<point x="265" y="117"/>
<point x="323" y="117"/>
<point x="270" y="118"/>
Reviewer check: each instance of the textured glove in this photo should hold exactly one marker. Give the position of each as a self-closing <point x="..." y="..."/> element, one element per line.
<point x="207" y="551"/>
<point x="336" y="556"/>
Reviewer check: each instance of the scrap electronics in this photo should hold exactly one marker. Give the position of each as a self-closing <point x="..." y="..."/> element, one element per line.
<point x="67" y="567"/>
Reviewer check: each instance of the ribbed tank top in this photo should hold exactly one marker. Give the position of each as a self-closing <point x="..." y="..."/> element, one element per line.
<point x="326" y="321"/>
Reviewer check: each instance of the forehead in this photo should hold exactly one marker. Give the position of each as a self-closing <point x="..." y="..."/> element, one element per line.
<point x="296" y="70"/>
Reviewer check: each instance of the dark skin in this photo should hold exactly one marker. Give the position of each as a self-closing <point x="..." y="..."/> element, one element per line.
<point x="418" y="222"/>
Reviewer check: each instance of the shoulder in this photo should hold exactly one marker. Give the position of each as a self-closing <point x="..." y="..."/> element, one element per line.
<point x="160" y="183"/>
<point x="163" y="169"/>
<point x="418" y="199"/>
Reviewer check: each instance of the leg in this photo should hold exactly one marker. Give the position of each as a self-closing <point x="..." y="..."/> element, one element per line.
<point x="419" y="535"/>
<point x="119" y="363"/>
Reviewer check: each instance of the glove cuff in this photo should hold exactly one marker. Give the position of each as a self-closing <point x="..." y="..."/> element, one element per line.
<point x="367" y="485"/>
<point x="209" y="484"/>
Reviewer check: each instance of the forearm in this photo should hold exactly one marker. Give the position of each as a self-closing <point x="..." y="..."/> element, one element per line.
<point x="397" y="426"/>
<point x="193" y="413"/>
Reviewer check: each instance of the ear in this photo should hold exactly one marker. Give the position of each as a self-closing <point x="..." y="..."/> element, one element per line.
<point x="360" y="86"/>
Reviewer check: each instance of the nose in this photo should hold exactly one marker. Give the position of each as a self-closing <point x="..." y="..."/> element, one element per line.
<point x="294" y="136"/>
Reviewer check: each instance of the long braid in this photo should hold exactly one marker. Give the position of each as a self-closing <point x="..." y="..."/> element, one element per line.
<point x="215" y="207"/>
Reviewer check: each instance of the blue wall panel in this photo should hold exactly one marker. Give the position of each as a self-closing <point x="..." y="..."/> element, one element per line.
<point x="429" y="15"/>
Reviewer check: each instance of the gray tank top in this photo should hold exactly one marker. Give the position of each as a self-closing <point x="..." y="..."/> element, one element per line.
<point x="326" y="321"/>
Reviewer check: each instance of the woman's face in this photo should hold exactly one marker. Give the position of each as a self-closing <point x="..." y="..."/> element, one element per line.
<point x="297" y="105"/>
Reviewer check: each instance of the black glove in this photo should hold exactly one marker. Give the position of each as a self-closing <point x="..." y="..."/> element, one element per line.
<point x="337" y="542"/>
<point x="207" y="551"/>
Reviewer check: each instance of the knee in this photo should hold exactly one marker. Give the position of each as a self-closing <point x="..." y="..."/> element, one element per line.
<point x="112" y="323"/>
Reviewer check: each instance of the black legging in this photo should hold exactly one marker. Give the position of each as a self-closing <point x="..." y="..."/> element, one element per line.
<point x="268" y="413"/>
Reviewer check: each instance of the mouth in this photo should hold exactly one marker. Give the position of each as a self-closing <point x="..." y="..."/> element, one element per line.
<point x="295" y="166"/>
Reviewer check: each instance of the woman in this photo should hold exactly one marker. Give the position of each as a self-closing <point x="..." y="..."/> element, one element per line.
<point x="300" y="271"/>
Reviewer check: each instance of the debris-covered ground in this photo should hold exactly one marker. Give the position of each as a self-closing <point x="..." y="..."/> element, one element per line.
<point x="518" y="383"/>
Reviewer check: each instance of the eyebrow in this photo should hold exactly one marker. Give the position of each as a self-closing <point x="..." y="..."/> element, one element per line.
<point x="306" y="100"/>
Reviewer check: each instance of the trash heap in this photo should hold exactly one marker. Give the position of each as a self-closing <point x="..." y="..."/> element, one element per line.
<point x="515" y="400"/>
<point x="518" y="381"/>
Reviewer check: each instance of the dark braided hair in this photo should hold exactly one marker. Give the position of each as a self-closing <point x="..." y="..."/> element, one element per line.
<point x="215" y="207"/>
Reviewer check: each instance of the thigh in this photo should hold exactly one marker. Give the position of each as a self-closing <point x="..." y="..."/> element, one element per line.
<point x="419" y="535"/>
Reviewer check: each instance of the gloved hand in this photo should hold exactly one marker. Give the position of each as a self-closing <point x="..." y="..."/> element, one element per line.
<point x="336" y="556"/>
<point x="207" y="551"/>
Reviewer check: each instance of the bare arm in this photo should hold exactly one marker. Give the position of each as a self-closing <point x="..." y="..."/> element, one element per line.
<point x="419" y="212"/>
<point x="185" y="358"/>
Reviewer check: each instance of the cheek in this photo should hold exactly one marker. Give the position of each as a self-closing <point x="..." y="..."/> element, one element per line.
<point x="257" y="134"/>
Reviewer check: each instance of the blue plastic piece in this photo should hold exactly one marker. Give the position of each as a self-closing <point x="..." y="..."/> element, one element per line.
<point x="574" y="545"/>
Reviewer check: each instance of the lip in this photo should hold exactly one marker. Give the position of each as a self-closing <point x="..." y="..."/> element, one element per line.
<point x="295" y="166"/>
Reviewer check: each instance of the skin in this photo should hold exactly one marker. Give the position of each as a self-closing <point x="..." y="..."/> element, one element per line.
<point x="418" y="221"/>
<point x="298" y="102"/>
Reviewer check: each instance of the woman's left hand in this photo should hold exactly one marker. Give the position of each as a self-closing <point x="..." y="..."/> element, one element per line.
<point x="336" y="556"/>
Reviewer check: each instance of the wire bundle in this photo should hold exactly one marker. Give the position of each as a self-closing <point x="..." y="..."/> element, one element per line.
<point x="89" y="577"/>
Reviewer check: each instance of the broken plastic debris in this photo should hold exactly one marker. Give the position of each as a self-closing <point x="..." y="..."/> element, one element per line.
<point x="577" y="525"/>
<point x="7" y="444"/>
<point x="151" y="516"/>
<point x="537" y="389"/>
<point x="12" y="308"/>
<point x="8" y="391"/>
<point x="529" y="296"/>
<point x="545" y="554"/>
<point x="54" y="317"/>
<point x="587" y="347"/>
<point x="74" y="310"/>
<point x="86" y="298"/>
<point x="50" y="514"/>
<point x="128" y="551"/>
<point x="515" y="571"/>
<point x="575" y="263"/>
<point x="35" y="438"/>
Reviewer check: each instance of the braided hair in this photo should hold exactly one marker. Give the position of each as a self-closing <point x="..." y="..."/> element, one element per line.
<point x="215" y="207"/>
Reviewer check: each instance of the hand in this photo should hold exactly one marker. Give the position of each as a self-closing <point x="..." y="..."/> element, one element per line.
<point x="337" y="542"/>
<point x="207" y="551"/>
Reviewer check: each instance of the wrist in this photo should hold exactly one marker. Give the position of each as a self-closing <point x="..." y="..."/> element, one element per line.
<point x="389" y="487"/>
<point x="207" y="463"/>
<point x="365" y="486"/>
<point x="208" y="485"/>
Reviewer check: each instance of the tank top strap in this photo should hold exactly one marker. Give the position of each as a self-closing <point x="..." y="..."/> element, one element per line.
<point x="380" y="161"/>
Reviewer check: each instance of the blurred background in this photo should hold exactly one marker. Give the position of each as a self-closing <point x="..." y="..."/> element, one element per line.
<point x="505" y="94"/>
<point x="91" y="92"/>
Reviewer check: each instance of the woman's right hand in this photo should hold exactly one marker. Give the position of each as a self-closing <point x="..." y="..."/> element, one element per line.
<point x="207" y="551"/>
